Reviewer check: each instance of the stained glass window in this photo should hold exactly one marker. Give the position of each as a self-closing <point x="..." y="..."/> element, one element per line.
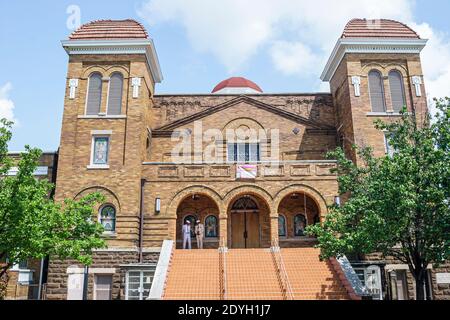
<point x="211" y="227"/>
<point x="108" y="218"/>
<point x="299" y="225"/>
<point x="281" y="226"/>
<point x="101" y="146"/>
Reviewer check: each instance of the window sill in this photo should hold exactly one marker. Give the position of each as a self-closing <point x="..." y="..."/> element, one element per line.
<point x="383" y="114"/>
<point x="98" y="167"/>
<point x="103" y="117"/>
<point x="109" y="235"/>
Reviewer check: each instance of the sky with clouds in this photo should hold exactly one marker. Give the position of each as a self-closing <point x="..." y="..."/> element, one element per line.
<point x="281" y="45"/>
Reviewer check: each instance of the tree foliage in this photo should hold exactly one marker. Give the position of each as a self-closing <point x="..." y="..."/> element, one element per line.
<point x="396" y="205"/>
<point x="32" y="225"/>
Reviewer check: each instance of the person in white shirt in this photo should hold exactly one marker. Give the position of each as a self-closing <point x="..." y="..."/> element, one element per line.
<point x="199" y="234"/>
<point x="186" y="231"/>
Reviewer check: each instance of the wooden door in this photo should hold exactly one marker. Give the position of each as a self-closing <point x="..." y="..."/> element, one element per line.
<point x="245" y="230"/>
<point x="252" y="228"/>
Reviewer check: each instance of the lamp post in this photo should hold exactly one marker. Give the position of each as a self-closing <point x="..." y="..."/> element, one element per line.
<point x="86" y="282"/>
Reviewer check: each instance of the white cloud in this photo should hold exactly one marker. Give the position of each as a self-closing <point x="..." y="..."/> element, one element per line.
<point x="294" y="58"/>
<point x="435" y="60"/>
<point x="298" y="35"/>
<point x="6" y="104"/>
<point x="234" y="30"/>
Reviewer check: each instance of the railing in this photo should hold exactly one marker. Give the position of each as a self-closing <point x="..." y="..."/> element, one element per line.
<point x="223" y="268"/>
<point x="281" y="268"/>
<point x="291" y="170"/>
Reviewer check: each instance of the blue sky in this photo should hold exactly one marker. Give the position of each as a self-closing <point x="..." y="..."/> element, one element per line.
<point x="281" y="45"/>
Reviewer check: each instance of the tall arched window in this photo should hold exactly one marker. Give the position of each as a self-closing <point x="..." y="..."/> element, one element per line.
<point x="397" y="90"/>
<point x="108" y="218"/>
<point x="115" y="94"/>
<point x="376" y="90"/>
<point x="299" y="225"/>
<point x="94" y="94"/>
<point x="281" y="226"/>
<point x="211" y="227"/>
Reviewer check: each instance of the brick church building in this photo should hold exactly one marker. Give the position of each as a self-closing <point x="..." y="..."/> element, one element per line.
<point x="254" y="193"/>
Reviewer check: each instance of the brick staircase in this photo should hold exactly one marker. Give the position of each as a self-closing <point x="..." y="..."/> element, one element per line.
<point x="253" y="274"/>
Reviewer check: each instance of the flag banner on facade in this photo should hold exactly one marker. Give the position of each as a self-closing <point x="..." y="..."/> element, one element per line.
<point x="246" y="171"/>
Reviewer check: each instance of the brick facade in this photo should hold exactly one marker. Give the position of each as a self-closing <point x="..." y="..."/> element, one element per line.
<point x="140" y="160"/>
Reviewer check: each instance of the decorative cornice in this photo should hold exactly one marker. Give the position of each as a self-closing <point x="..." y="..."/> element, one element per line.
<point x="370" y="45"/>
<point x="146" y="47"/>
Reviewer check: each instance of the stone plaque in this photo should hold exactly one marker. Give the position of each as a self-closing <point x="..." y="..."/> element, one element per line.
<point x="300" y="170"/>
<point x="273" y="171"/>
<point x="168" y="172"/>
<point x="443" y="278"/>
<point x="324" y="170"/>
<point x="220" y="171"/>
<point x="194" y="172"/>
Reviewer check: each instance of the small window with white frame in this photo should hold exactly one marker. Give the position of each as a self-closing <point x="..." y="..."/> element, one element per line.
<point x="100" y="151"/>
<point x="103" y="287"/>
<point x="138" y="284"/>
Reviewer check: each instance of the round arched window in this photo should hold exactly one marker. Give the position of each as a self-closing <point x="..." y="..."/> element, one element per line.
<point x="299" y="225"/>
<point x="281" y="226"/>
<point x="211" y="227"/>
<point x="108" y="218"/>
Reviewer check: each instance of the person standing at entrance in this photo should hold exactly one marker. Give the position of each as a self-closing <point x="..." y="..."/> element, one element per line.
<point x="186" y="231"/>
<point x="199" y="234"/>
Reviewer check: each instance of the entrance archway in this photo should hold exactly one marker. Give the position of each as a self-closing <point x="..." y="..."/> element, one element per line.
<point x="199" y="207"/>
<point x="249" y="223"/>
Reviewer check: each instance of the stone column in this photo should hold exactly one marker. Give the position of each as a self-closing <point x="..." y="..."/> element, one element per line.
<point x="274" y="228"/>
<point x="223" y="230"/>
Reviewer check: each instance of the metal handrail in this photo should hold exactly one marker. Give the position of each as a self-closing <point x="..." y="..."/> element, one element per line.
<point x="222" y="252"/>
<point x="276" y="251"/>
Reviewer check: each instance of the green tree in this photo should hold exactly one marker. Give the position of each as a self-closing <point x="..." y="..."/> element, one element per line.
<point x="32" y="225"/>
<point x="396" y="205"/>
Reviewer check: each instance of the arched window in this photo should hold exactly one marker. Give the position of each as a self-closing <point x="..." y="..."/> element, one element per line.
<point x="397" y="90"/>
<point x="299" y="225"/>
<point x="281" y="226"/>
<point x="192" y="219"/>
<point x="115" y="94"/>
<point x="211" y="227"/>
<point x="94" y="94"/>
<point x="376" y="89"/>
<point x="108" y="218"/>
<point x="245" y="203"/>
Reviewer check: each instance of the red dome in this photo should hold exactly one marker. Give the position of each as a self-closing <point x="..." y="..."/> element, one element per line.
<point x="237" y="82"/>
<point x="109" y="30"/>
<point x="382" y="28"/>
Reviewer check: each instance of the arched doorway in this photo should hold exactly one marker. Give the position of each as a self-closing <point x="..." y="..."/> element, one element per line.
<point x="199" y="207"/>
<point x="245" y="216"/>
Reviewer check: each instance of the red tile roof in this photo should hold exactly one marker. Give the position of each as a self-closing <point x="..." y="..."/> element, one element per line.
<point x="237" y="82"/>
<point x="381" y="28"/>
<point x="109" y="30"/>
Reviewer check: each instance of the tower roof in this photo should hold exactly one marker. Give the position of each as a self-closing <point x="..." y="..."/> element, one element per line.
<point x="236" y="85"/>
<point x="110" y="30"/>
<point x="378" y="28"/>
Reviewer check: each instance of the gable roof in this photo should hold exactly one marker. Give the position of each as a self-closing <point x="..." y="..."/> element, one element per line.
<point x="167" y="129"/>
